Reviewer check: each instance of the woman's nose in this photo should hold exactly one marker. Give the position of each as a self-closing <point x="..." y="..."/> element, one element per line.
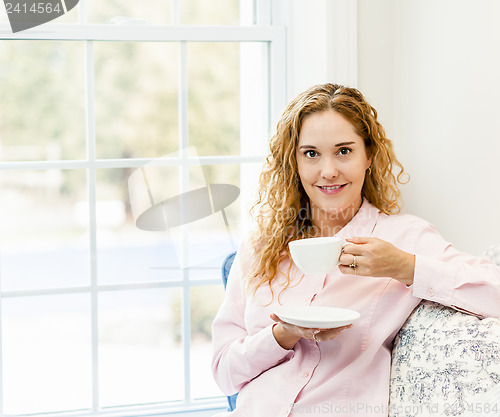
<point x="329" y="169"/>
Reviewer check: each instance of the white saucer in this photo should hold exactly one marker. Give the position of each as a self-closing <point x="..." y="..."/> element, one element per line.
<point x="317" y="317"/>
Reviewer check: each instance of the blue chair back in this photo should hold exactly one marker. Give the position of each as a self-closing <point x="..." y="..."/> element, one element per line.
<point x="226" y="267"/>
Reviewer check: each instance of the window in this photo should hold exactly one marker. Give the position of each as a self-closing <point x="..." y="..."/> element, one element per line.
<point x="96" y="314"/>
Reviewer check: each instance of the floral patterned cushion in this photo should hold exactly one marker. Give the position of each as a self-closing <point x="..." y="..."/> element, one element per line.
<point x="442" y="362"/>
<point x="446" y="363"/>
<point x="493" y="254"/>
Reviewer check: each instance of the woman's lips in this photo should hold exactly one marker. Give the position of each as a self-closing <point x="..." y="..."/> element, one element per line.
<point x="331" y="189"/>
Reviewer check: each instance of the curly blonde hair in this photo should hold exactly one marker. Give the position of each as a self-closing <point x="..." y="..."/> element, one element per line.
<point x="283" y="206"/>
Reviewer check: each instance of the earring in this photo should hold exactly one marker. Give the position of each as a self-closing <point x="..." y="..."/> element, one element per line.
<point x="369" y="170"/>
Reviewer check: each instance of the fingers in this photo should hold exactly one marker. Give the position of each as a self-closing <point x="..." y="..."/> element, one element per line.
<point x="348" y="259"/>
<point x="356" y="254"/>
<point x="276" y="318"/>
<point x="357" y="245"/>
<point x="347" y="270"/>
<point x="330" y="334"/>
<point x="319" y="335"/>
<point x="347" y="255"/>
<point x="291" y="329"/>
<point x="358" y="240"/>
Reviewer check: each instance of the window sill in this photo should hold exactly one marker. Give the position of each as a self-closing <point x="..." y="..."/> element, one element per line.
<point x="194" y="413"/>
<point x="204" y="409"/>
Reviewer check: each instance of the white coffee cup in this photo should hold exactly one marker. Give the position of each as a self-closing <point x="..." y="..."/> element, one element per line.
<point x="316" y="255"/>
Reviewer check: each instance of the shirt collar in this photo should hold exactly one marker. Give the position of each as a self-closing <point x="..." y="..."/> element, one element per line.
<point x="363" y="222"/>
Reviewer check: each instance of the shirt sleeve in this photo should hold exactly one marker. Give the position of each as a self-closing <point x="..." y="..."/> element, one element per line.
<point x="238" y="357"/>
<point x="447" y="276"/>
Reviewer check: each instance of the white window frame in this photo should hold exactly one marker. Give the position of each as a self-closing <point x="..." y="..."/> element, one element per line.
<point x="275" y="37"/>
<point x="297" y="59"/>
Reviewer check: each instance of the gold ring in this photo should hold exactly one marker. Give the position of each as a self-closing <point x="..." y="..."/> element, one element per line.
<point x="354" y="265"/>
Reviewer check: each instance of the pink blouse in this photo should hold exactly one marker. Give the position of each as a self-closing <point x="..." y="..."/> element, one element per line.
<point x="349" y="375"/>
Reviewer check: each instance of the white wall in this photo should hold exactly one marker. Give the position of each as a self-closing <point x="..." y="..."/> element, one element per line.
<point x="322" y="39"/>
<point x="432" y="70"/>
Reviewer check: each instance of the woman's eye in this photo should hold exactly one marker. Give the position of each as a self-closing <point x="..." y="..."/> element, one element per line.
<point x="344" y="151"/>
<point x="311" y="154"/>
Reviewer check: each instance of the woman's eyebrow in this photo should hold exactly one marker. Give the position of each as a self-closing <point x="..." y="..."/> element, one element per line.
<point x="337" y="145"/>
<point x="345" y="143"/>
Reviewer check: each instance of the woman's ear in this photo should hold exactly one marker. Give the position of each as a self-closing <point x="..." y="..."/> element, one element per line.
<point x="368" y="156"/>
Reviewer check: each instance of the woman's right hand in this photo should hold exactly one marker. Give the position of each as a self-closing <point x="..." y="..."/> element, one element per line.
<point x="287" y="335"/>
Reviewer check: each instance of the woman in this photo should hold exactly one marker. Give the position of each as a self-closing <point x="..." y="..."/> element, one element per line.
<point x="330" y="174"/>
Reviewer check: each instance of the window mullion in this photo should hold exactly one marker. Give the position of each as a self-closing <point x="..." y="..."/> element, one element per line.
<point x="91" y="178"/>
<point x="263" y="12"/>
<point x="184" y="187"/>
<point x="1" y="344"/>
<point x="82" y="12"/>
<point x="278" y="76"/>
<point x="139" y="33"/>
<point x="175" y="18"/>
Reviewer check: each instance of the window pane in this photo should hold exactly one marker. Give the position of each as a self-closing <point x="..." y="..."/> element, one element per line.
<point x="44" y="234"/>
<point x="156" y="12"/>
<point x="70" y="17"/>
<point x="136" y="99"/>
<point x="205" y="302"/>
<point x="254" y="98"/>
<point x="140" y="353"/>
<point x="203" y="243"/>
<point x="125" y="253"/>
<point x="3" y="15"/>
<point x="214" y="96"/>
<point x="202" y="12"/>
<point x="46" y="354"/>
<point x="42" y="102"/>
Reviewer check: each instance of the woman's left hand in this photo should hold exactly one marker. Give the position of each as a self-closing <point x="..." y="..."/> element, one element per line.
<point x="377" y="258"/>
<point x="319" y="335"/>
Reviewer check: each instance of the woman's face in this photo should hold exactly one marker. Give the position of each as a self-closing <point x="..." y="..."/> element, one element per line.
<point x="332" y="161"/>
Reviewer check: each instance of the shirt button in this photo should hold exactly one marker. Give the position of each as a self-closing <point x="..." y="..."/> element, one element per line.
<point x="431" y="292"/>
<point x="305" y="374"/>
